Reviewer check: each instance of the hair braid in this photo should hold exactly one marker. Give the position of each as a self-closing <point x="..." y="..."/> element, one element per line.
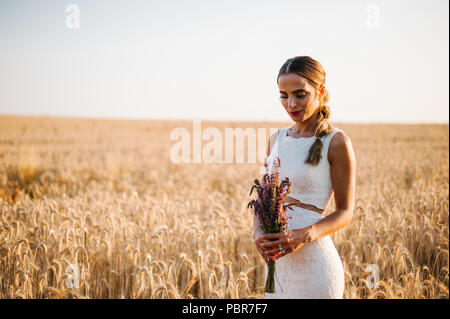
<point x="323" y="128"/>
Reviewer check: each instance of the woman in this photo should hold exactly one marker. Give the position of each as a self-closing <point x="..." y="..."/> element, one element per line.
<point x="319" y="160"/>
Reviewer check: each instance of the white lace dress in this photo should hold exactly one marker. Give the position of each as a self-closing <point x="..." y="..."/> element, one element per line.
<point x="315" y="270"/>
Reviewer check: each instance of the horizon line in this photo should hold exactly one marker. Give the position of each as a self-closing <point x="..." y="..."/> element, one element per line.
<point x="202" y="119"/>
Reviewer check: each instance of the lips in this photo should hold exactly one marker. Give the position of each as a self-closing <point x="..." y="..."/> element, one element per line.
<point x="295" y="113"/>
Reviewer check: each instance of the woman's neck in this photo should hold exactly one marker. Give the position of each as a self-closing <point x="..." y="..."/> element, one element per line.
<point x="306" y="128"/>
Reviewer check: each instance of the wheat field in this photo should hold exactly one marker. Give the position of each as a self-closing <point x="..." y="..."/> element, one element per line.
<point x="95" y="209"/>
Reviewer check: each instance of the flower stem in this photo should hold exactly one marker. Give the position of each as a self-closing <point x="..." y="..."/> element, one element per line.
<point x="270" y="281"/>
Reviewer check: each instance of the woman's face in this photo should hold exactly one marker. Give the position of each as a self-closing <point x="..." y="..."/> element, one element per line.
<point x="298" y="96"/>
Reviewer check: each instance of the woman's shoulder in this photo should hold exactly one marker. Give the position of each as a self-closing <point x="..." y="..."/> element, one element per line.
<point x="337" y="135"/>
<point x="339" y="144"/>
<point x="272" y="140"/>
<point x="278" y="133"/>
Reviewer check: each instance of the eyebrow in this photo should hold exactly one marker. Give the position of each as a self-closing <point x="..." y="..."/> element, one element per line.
<point x="296" y="91"/>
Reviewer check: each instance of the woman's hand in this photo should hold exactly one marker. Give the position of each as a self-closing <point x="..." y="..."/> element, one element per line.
<point x="258" y="243"/>
<point x="290" y="241"/>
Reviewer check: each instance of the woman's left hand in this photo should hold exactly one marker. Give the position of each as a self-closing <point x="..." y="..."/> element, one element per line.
<point x="290" y="241"/>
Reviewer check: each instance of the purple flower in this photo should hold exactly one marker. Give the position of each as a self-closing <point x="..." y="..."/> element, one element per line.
<point x="270" y="209"/>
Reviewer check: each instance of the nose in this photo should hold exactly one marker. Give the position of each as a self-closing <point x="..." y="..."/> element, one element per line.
<point x="291" y="103"/>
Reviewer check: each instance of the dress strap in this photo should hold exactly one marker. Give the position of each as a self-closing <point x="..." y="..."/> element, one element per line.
<point x="332" y="133"/>
<point x="328" y="140"/>
<point x="335" y="130"/>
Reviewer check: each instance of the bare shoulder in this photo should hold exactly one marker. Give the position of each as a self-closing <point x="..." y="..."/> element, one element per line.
<point x="340" y="147"/>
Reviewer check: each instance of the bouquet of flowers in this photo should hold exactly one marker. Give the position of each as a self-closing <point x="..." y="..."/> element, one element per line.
<point x="270" y="208"/>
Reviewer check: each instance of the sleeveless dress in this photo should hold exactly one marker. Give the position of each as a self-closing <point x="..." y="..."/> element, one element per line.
<point x="315" y="270"/>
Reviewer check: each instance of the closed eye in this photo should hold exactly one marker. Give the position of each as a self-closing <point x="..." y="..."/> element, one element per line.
<point x="299" y="96"/>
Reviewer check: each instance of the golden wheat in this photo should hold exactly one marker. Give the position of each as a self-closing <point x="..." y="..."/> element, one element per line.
<point x="99" y="204"/>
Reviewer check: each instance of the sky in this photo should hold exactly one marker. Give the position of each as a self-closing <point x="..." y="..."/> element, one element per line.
<point x="385" y="61"/>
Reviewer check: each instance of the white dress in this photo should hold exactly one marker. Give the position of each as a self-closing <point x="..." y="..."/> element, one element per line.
<point x="315" y="270"/>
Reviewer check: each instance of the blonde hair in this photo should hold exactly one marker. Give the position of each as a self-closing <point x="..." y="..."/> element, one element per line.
<point x="313" y="71"/>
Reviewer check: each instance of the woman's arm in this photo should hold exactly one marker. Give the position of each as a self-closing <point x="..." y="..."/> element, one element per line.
<point x="343" y="175"/>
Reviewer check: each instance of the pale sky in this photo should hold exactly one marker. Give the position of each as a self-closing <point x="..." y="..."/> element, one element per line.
<point x="386" y="61"/>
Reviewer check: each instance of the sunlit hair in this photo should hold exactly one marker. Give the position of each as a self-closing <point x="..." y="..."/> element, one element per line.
<point x="312" y="70"/>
